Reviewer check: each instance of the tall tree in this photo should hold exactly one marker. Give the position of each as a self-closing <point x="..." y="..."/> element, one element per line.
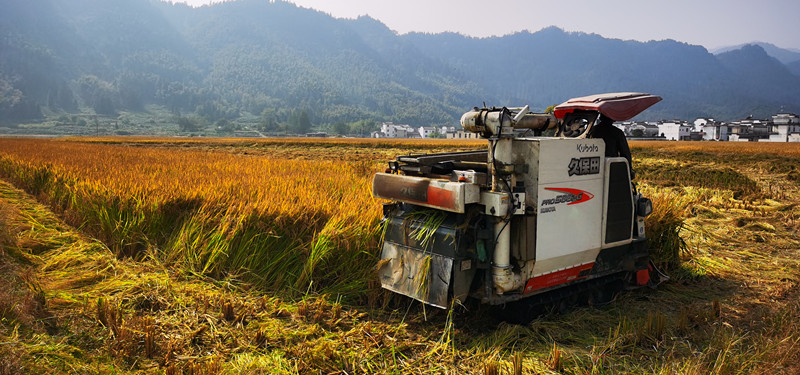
<point x="299" y="122"/>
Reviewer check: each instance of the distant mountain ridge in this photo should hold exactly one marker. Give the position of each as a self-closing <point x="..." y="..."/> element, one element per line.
<point x="273" y="59"/>
<point x="784" y="55"/>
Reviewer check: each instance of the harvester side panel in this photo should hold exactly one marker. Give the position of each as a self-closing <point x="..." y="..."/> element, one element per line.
<point x="570" y="200"/>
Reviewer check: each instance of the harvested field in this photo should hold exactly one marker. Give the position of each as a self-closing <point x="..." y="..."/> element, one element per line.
<point x="205" y="256"/>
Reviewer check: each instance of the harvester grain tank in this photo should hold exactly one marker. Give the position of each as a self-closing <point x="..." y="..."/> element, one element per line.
<point x="535" y="217"/>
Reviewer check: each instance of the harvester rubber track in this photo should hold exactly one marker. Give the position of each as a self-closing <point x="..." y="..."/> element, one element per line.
<point x="595" y="293"/>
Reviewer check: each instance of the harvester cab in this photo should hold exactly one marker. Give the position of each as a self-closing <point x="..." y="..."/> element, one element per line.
<point x="533" y="217"/>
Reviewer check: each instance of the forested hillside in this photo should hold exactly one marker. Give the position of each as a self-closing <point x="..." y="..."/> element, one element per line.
<point x="292" y="70"/>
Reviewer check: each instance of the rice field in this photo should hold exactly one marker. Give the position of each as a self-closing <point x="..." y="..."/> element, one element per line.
<point x="208" y="256"/>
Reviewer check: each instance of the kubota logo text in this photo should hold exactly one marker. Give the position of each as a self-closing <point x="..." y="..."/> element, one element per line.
<point x="571" y="196"/>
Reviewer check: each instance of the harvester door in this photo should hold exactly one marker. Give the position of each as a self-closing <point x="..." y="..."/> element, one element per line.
<point x="618" y="208"/>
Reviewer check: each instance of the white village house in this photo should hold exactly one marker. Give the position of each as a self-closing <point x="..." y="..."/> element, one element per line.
<point x="785" y="128"/>
<point x="426" y="131"/>
<point x="748" y="130"/>
<point x="391" y="130"/>
<point x="711" y="130"/>
<point x="675" y="130"/>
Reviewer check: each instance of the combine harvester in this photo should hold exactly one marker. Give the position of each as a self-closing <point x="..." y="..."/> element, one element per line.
<point x="550" y="220"/>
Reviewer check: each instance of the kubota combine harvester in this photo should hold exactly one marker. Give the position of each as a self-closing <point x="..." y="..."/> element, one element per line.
<point x="542" y="218"/>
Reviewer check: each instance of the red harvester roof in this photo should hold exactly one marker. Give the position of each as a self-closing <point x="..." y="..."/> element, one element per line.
<point x="618" y="106"/>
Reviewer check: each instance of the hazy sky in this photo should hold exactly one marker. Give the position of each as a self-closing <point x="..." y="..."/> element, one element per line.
<point x="710" y="23"/>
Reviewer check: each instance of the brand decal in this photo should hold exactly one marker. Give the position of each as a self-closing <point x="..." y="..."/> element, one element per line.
<point x="587" y="148"/>
<point x="584" y="166"/>
<point x="570" y="197"/>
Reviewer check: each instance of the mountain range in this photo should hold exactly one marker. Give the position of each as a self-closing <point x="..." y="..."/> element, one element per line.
<point x="273" y="59"/>
<point x="784" y="55"/>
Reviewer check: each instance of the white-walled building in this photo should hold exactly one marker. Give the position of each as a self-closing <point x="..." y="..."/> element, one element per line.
<point x="426" y="131"/>
<point x="785" y="127"/>
<point x="391" y="130"/>
<point x="461" y="134"/>
<point x="749" y="129"/>
<point x="711" y="130"/>
<point x="675" y="130"/>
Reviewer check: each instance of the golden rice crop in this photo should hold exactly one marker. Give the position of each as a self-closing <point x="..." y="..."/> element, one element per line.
<point x="287" y="212"/>
<point x="210" y="212"/>
<point x="719" y="148"/>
